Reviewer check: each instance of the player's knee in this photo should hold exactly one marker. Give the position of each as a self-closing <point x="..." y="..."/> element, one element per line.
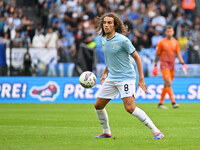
<point x="130" y="109"/>
<point x="98" y="107"/>
<point x="167" y="83"/>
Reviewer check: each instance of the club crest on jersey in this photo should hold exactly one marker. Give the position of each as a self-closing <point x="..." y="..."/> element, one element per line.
<point x="48" y="92"/>
<point x="113" y="45"/>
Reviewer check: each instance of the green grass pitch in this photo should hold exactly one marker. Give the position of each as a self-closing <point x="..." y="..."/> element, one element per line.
<point x="73" y="126"/>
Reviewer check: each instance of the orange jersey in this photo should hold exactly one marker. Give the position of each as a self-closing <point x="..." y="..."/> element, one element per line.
<point x="166" y="49"/>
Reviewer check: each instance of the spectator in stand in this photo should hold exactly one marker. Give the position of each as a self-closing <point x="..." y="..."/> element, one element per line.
<point x="10" y="18"/>
<point x="145" y="42"/>
<point x="128" y="23"/>
<point x="38" y="40"/>
<point x="57" y="29"/>
<point x="151" y="9"/>
<point x="27" y="69"/>
<point x="5" y="40"/>
<point x="16" y="21"/>
<point x="54" y="10"/>
<point x="156" y="38"/>
<point x="17" y="41"/>
<point x="31" y="31"/>
<point x="174" y="8"/>
<point x="100" y="10"/>
<point x="183" y="26"/>
<point x="27" y="40"/>
<point x="62" y="8"/>
<point x="12" y="31"/>
<point x="39" y="27"/>
<point x="25" y="22"/>
<point x="64" y="50"/>
<point x="3" y="64"/>
<point x="78" y="8"/>
<point x="193" y="48"/>
<point x="133" y="15"/>
<point x="20" y="13"/>
<point x="89" y="12"/>
<point x="188" y="6"/>
<point x="136" y="43"/>
<point x="2" y="22"/>
<point x="183" y="41"/>
<point x="139" y="26"/>
<point x="40" y="7"/>
<point x="150" y="32"/>
<point x="88" y="35"/>
<point x="195" y="33"/>
<point x="159" y="22"/>
<point x="71" y="3"/>
<point x="27" y="4"/>
<point x="78" y="40"/>
<point x="114" y="6"/>
<point x="54" y="18"/>
<point x="74" y="21"/>
<point x="67" y="16"/>
<point x="92" y="4"/>
<point x="51" y="38"/>
<point x="187" y="21"/>
<point x="197" y="20"/>
<point x="12" y="6"/>
<point x="126" y="5"/>
<point x="146" y="19"/>
<point x="44" y="15"/>
<point x="163" y="10"/>
<point x="137" y="4"/>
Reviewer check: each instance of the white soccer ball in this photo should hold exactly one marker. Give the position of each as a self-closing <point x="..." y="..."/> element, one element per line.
<point x="87" y="79"/>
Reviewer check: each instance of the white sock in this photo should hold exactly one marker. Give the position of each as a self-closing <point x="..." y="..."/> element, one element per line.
<point x="142" y="116"/>
<point x="103" y="119"/>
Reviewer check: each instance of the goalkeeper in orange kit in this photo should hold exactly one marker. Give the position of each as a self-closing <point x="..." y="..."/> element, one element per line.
<point x="166" y="50"/>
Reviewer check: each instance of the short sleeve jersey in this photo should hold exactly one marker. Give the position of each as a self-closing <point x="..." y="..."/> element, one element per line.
<point x="167" y="49"/>
<point x="117" y="52"/>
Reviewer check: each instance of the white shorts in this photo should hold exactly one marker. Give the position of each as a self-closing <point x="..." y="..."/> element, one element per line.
<point x="111" y="89"/>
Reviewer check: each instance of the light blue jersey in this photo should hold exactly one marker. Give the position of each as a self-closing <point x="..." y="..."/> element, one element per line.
<point x="117" y="52"/>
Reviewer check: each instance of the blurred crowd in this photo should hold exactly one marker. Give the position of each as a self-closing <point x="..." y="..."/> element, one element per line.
<point x="65" y="24"/>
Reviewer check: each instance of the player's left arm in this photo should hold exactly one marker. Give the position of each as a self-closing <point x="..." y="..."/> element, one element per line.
<point x="138" y="61"/>
<point x="180" y="58"/>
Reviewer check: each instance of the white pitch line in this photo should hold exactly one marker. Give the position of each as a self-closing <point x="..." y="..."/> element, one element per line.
<point x="48" y="127"/>
<point x="44" y="127"/>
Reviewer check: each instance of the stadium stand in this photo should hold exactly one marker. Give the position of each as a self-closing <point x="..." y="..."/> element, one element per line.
<point x="66" y="25"/>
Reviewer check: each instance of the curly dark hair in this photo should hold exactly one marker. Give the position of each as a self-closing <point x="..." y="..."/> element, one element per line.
<point x="118" y="23"/>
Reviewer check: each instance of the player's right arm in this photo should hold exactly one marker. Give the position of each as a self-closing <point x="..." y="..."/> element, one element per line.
<point x="156" y="59"/>
<point x="155" y="69"/>
<point x="158" y="51"/>
<point x="104" y="76"/>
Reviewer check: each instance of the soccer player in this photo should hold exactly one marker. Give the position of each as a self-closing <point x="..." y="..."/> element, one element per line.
<point x="166" y="50"/>
<point x="119" y="75"/>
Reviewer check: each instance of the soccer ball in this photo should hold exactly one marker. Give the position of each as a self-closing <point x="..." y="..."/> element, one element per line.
<point x="87" y="79"/>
